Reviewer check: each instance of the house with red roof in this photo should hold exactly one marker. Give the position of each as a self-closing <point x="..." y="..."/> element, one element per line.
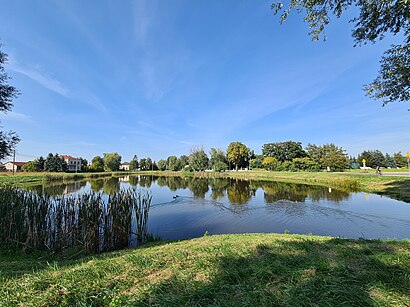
<point x="17" y="166"/>
<point x="74" y="164"/>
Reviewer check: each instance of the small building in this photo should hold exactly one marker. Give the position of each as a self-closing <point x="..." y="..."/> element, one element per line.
<point x="74" y="164"/>
<point x="124" y="166"/>
<point x="16" y="166"/>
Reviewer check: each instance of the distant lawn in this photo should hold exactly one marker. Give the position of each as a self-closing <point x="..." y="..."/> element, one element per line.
<point x="225" y="270"/>
<point x="383" y="169"/>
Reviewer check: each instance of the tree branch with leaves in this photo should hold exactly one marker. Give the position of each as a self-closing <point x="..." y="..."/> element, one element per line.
<point x="376" y="19"/>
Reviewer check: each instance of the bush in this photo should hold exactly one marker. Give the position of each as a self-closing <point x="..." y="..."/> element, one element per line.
<point x="305" y="164"/>
<point x="220" y="166"/>
<point x="270" y="163"/>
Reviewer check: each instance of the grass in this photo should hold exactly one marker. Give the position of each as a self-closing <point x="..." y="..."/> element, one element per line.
<point x="22" y="179"/>
<point x="225" y="270"/>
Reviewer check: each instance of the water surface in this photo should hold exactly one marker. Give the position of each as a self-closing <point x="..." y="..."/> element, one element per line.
<point x="188" y="207"/>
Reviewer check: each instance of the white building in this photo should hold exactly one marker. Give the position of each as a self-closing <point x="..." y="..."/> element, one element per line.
<point x="74" y="164"/>
<point x="125" y="166"/>
<point x="17" y="166"/>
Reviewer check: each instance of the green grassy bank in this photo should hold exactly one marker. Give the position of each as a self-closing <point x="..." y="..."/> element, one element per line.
<point x="225" y="270"/>
<point x="397" y="187"/>
<point x="22" y="179"/>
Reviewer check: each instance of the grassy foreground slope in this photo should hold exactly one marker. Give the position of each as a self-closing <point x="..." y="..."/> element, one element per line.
<point x="225" y="270"/>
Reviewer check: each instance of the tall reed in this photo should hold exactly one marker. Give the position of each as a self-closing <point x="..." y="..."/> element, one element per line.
<point x="92" y="221"/>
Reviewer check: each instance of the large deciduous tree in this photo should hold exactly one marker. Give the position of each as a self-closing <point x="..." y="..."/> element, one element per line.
<point x="162" y="165"/>
<point x="112" y="161"/>
<point x="328" y="155"/>
<point x="8" y="140"/>
<point x="198" y="160"/>
<point x="376" y="19"/>
<point x="238" y="154"/>
<point x="134" y="163"/>
<point x="173" y="164"/>
<point x="97" y="164"/>
<point x="218" y="160"/>
<point x="284" y="151"/>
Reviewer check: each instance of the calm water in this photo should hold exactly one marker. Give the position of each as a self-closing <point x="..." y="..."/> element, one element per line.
<point x="220" y="206"/>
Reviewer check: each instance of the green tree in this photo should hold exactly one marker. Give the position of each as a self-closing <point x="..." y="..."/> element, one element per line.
<point x="162" y="165"/>
<point x="112" y="161"/>
<point x="84" y="165"/>
<point x="334" y="157"/>
<point x="220" y="166"/>
<point x="54" y="163"/>
<point x="134" y="163"/>
<point x="183" y="161"/>
<point x="237" y="154"/>
<point x="399" y="159"/>
<point x="173" y="164"/>
<point x="198" y="160"/>
<point x="97" y="164"/>
<point x="373" y="158"/>
<point x="143" y="164"/>
<point x="328" y="155"/>
<point x="8" y="140"/>
<point x="375" y="20"/>
<point x="284" y="151"/>
<point x="256" y="162"/>
<point x="32" y="166"/>
<point x="146" y="164"/>
<point x="217" y="158"/>
<point x="270" y="163"/>
<point x="41" y="161"/>
<point x="305" y="164"/>
<point x="389" y="161"/>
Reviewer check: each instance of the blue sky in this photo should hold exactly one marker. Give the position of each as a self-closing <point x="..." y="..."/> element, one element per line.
<point x="157" y="78"/>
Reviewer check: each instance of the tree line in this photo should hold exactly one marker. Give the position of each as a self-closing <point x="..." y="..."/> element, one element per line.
<point x="276" y="156"/>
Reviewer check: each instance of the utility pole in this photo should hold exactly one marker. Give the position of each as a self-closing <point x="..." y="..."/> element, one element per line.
<point x="14" y="160"/>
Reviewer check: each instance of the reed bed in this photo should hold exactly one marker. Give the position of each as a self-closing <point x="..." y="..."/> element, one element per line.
<point x="92" y="222"/>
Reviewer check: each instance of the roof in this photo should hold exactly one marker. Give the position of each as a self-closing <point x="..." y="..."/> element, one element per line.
<point x="125" y="163"/>
<point x="16" y="163"/>
<point x="69" y="157"/>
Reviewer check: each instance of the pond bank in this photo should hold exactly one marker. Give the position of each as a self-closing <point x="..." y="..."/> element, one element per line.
<point x="225" y="270"/>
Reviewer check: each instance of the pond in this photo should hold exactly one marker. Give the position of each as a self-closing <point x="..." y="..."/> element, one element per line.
<point x="184" y="208"/>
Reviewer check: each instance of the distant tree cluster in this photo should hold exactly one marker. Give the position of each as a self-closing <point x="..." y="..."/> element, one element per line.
<point x="53" y="163"/>
<point x="376" y="158"/>
<point x="276" y="156"/>
<point x="290" y="156"/>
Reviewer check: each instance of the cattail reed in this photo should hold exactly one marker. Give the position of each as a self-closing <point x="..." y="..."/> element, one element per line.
<point x="91" y="221"/>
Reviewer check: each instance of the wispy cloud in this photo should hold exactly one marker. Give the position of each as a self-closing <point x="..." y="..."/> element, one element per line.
<point x="42" y="78"/>
<point x="144" y="16"/>
<point x="16" y="116"/>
